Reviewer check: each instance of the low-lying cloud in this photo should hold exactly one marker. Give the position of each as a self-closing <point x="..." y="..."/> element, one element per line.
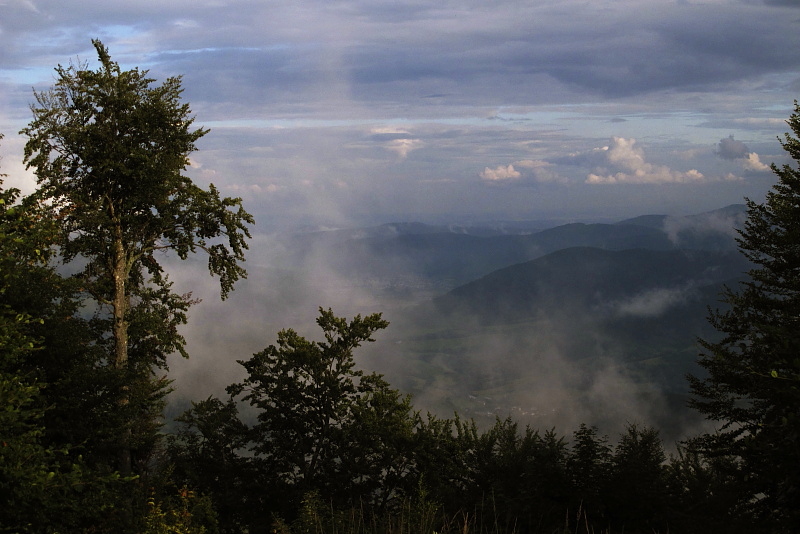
<point x="651" y="303"/>
<point x="720" y="222"/>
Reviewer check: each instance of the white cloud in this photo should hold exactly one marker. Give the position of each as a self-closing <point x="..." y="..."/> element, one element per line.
<point x="625" y="163"/>
<point x="523" y="171"/>
<point x="500" y="174"/>
<point x="753" y="163"/>
<point x="541" y="171"/>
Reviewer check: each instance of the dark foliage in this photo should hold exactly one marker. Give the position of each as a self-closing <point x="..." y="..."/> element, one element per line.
<point x="754" y="371"/>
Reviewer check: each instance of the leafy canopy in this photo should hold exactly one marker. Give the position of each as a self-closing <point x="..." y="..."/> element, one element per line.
<point x="109" y="148"/>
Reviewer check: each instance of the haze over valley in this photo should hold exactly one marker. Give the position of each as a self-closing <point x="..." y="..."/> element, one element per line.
<point x="583" y="322"/>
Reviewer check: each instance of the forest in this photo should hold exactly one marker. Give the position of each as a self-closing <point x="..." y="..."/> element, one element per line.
<point x="308" y="442"/>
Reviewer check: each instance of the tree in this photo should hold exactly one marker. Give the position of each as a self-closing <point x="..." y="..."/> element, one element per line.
<point x="637" y="491"/>
<point x="702" y="496"/>
<point x="753" y="383"/>
<point x="526" y="475"/>
<point x="108" y="148"/>
<point x="444" y="455"/>
<point x="378" y="439"/>
<point x="589" y="466"/>
<point x="314" y="409"/>
<point x="25" y="463"/>
<point x="208" y="452"/>
<point x="78" y="393"/>
<point x="45" y="484"/>
<point x="44" y="488"/>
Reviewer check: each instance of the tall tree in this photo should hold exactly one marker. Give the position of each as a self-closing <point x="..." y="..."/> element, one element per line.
<point x="753" y="382"/>
<point x="109" y="148"/>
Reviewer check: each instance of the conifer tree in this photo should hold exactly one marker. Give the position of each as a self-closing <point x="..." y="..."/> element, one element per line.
<point x="753" y="384"/>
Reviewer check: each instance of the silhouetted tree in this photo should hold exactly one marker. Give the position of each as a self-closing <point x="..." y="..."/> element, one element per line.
<point x="108" y="149"/>
<point x="753" y="384"/>
<point x="209" y="453"/>
<point x="636" y="492"/>
<point x="589" y="466"/>
<point x="703" y="496"/>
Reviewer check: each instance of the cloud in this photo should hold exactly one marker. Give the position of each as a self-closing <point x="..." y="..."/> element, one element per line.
<point x="541" y="171"/>
<point x="651" y="303"/>
<point x="786" y="3"/>
<point x="399" y="141"/>
<point x="17" y="174"/>
<point x="625" y="164"/>
<point x="753" y="163"/>
<point x="523" y="172"/>
<point x="500" y="174"/>
<point x="449" y="91"/>
<point x="382" y="54"/>
<point x="731" y="149"/>
<point x="715" y="223"/>
<point x="257" y="188"/>
<point x="769" y="122"/>
<point x="402" y="147"/>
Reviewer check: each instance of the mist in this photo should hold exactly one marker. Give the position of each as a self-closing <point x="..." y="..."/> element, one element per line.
<point x="570" y="360"/>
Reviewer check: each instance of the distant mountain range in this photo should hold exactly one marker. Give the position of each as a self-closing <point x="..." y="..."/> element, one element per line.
<point x="592" y="279"/>
<point x="450" y="256"/>
<point x="537" y="320"/>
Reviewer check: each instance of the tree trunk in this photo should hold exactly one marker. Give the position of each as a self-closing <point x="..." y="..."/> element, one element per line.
<point x="120" y="304"/>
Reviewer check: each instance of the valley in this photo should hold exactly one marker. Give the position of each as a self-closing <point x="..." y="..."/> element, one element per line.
<point x="594" y="323"/>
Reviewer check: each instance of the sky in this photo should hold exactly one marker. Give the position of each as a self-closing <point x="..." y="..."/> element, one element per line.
<point x="347" y="113"/>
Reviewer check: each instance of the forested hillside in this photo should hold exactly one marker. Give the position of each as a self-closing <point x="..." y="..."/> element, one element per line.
<point x="537" y="342"/>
